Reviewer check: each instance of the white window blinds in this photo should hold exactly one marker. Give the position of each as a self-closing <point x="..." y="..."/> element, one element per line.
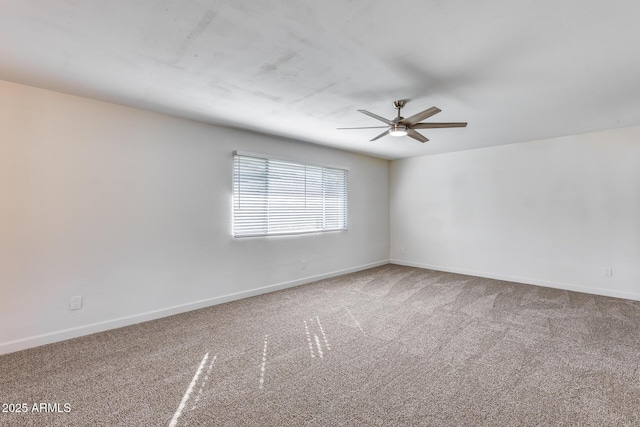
<point x="272" y="196"/>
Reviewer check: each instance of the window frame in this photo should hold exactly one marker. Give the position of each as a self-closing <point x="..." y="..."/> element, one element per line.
<point x="343" y="210"/>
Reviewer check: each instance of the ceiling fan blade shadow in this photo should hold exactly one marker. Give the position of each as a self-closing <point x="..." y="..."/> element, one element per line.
<point x="438" y="125"/>
<point x="375" y="116"/>
<point x="416" y="135"/>
<point x="479" y="68"/>
<point x="421" y="116"/>
<point x="380" y="136"/>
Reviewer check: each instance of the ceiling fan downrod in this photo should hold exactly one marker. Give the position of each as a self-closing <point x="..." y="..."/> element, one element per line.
<point x="398" y="106"/>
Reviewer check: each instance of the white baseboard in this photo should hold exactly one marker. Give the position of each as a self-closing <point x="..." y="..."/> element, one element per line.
<point x="65" y="334"/>
<point x="525" y="280"/>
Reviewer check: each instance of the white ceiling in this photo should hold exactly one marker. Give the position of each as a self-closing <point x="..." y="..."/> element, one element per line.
<point x="515" y="70"/>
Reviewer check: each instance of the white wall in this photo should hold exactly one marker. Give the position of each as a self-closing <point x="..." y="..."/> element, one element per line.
<point x="552" y="212"/>
<point x="132" y="210"/>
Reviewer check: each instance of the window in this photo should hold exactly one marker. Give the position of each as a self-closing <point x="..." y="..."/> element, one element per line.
<point x="272" y="196"/>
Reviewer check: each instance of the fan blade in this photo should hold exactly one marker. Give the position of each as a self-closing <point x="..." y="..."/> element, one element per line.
<point x="375" y="116"/>
<point x="415" y="135"/>
<point x="367" y="127"/>
<point x="438" y="125"/>
<point x="386" y="132"/>
<point x="421" y="116"/>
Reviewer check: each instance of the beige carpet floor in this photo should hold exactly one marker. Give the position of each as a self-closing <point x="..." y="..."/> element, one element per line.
<point x="387" y="346"/>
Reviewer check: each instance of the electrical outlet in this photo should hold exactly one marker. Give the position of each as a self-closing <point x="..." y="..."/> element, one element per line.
<point x="304" y="264"/>
<point x="403" y="250"/>
<point x="76" y="303"/>
<point x="607" y="272"/>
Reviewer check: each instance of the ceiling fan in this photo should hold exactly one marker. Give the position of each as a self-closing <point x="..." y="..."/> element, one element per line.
<point x="400" y="126"/>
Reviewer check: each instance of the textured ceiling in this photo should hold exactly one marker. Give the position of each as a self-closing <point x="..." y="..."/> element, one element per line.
<point x="515" y="70"/>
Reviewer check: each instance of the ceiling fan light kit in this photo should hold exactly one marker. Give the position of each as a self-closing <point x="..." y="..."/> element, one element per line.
<point x="398" y="130"/>
<point x="400" y="126"/>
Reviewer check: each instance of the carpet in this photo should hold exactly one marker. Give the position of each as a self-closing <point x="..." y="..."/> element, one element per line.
<point x="388" y="346"/>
